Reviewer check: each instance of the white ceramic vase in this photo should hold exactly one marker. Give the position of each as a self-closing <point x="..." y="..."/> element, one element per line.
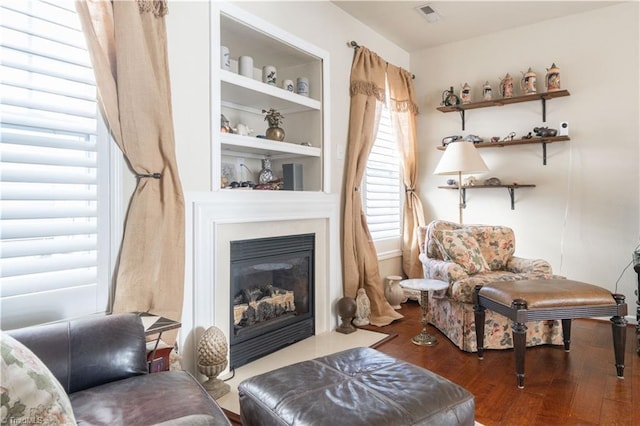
<point x="393" y="292"/>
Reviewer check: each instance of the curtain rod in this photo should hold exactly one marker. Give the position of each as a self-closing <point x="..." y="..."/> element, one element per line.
<point x="355" y="45"/>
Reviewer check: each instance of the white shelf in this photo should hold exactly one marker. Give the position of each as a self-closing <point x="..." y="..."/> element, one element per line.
<point x="247" y="91"/>
<point x="265" y="147"/>
<point x="242" y="99"/>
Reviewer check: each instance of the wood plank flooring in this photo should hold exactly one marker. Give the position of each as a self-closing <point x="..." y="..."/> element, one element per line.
<point x="575" y="388"/>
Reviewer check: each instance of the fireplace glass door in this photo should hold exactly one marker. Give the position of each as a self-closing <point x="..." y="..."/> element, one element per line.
<point x="272" y="305"/>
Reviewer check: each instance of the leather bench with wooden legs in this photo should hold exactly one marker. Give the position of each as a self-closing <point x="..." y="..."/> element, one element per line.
<point x="532" y="300"/>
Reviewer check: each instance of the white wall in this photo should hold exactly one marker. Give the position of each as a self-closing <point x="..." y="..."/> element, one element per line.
<point x="583" y="214"/>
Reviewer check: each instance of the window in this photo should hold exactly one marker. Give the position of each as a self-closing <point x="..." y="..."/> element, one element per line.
<point x="382" y="190"/>
<point x="56" y="256"/>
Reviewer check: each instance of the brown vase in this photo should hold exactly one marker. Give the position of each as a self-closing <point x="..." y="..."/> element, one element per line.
<point x="275" y="134"/>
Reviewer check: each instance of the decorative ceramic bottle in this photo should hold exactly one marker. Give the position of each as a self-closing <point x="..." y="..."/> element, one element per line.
<point x="393" y="292"/>
<point x="266" y="175"/>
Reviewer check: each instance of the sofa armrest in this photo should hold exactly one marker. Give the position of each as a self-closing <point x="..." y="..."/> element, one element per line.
<point x="443" y="270"/>
<point x="520" y="265"/>
<point x="88" y="352"/>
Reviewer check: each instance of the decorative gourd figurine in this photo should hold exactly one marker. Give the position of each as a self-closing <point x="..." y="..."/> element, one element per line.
<point x="465" y="94"/>
<point x="506" y="86"/>
<point x="528" y="82"/>
<point x="449" y="98"/>
<point x="487" y="92"/>
<point x="552" y="79"/>
<point x="393" y="292"/>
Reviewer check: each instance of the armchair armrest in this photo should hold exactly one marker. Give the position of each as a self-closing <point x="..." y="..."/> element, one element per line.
<point x="441" y="269"/>
<point x="520" y="265"/>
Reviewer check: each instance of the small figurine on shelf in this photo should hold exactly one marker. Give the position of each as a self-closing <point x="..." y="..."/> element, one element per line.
<point x="552" y="79"/>
<point x="506" y="86"/>
<point x="528" y="82"/>
<point x="545" y="132"/>
<point x="465" y="94"/>
<point x="487" y="92"/>
<point x="225" y="127"/>
<point x="449" y="98"/>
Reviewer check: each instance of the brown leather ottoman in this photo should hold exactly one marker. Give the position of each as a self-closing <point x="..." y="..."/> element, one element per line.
<point x="359" y="386"/>
<point x="533" y="300"/>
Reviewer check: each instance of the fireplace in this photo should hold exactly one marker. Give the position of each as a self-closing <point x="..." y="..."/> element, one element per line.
<point x="271" y="296"/>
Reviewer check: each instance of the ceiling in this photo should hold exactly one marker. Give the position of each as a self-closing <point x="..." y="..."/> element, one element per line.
<point x="401" y="23"/>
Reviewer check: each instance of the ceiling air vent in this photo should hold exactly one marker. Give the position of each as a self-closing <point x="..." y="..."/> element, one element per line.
<point x="428" y="13"/>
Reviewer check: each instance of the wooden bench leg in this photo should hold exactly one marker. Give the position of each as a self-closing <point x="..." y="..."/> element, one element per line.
<point x="519" y="342"/>
<point x="619" y="331"/>
<point x="479" y="316"/>
<point x="566" y="334"/>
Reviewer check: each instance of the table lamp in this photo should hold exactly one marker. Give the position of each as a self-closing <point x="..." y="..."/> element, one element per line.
<point x="460" y="158"/>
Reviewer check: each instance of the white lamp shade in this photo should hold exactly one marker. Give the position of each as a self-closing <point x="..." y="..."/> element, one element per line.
<point x="460" y="157"/>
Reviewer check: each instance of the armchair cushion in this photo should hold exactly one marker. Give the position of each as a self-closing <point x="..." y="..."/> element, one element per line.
<point x="460" y="246"/>
<point x="497" y="244"/>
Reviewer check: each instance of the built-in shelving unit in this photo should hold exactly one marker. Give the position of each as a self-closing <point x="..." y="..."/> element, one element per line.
<point x="241" y="99"/>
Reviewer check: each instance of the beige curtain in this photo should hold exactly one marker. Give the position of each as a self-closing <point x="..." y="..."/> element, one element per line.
<point x="127" y="42"/>
<point x="404" y="109"/>
<point x="360" y="260"/>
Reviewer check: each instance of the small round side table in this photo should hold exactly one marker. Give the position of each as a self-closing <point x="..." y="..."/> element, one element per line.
<point x="424" y="285"/>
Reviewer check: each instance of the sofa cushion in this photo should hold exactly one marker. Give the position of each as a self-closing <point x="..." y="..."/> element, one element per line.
<point x="148" y="399"/>
<point x="30" y="392"/>
<point x="497" y="244"/>
<point x="460" y="246"/>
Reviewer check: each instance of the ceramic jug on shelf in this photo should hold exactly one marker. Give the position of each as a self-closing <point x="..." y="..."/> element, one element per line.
<point x="528" y="82"/>
<point x="506" y="86"/>
<point x="393" y="292"/>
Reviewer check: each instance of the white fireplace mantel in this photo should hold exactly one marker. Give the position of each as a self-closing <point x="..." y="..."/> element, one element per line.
<point x="212" y="219"/>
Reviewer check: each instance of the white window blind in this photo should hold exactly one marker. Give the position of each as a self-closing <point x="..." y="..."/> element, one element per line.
<point x="55" y="175"/>
<point x="382" y="184"/>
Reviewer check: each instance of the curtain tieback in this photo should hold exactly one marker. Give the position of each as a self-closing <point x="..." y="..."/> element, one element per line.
<point x="149" y="175"/>
<point x="409" y="190"/>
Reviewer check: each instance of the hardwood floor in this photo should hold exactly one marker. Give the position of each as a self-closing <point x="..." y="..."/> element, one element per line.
<point x="575" y="388"/>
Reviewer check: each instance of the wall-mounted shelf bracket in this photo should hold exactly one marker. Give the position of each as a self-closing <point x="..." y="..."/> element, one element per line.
<point x="462" y="118"/>
<point x="544" y="109"/>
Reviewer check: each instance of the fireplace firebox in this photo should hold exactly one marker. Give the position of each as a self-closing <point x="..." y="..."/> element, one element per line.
<point x="272" y="288"/>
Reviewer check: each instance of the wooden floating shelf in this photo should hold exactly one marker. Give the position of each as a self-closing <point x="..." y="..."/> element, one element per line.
<point x="534" y="139"/>
<point x="461" y="108"/>
<point x="510" y="188"/>
<point x="505" y="101"/>
<point x="502" y="144"/>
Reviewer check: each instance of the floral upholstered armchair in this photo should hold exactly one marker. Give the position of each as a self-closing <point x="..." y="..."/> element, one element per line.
<point x="470" y="255"/>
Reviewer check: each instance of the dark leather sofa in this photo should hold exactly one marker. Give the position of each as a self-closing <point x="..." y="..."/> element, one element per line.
<point x="101" y="363"/>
